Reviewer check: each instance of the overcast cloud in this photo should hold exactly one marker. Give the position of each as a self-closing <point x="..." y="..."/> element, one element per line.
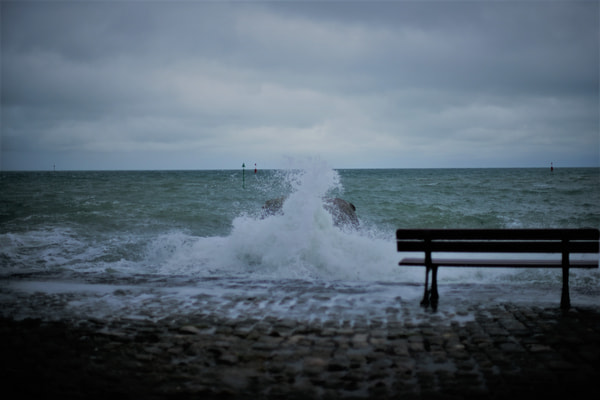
<point x="203" y="85"/>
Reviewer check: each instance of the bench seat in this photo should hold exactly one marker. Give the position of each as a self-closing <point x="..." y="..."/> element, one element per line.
<point x="496" y="263"/>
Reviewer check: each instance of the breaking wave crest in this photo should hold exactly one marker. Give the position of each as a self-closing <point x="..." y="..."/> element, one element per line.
<point x="302" y="241"/>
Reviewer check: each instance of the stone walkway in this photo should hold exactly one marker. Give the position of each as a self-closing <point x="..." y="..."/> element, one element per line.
<point x="498" y="351"/>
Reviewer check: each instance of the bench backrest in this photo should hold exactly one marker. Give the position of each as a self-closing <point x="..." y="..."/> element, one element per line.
<point x="499" y="240"/>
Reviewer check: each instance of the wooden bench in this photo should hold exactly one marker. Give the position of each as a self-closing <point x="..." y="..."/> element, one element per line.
<point x="565" y="242"/>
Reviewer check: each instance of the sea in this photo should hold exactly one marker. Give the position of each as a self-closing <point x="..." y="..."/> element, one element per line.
<point x="151" y="244"/>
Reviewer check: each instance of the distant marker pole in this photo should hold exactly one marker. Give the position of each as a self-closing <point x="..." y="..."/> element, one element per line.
<point x="243" y="175"/>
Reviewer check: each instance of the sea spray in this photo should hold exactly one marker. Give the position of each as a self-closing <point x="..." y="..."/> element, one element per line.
<point x="303" y="242"/>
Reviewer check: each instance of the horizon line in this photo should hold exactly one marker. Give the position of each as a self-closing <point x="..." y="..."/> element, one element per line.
<point x="274" y="169"/>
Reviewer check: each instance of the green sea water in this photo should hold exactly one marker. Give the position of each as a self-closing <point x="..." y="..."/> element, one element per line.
<point x="62" y="218"/>
<point x="207" y="229"/>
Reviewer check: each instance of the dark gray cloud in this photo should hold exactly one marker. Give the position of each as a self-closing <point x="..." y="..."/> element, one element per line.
<point x="384" y="84"/>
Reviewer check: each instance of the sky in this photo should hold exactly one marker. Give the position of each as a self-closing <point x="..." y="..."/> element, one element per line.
<point x="142" y="85"/>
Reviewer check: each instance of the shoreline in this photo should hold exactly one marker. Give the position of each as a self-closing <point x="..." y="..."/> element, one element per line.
<point x="503" y="351"/>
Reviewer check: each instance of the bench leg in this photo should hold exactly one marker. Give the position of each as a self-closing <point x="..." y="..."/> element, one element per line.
<point x="425" y="301"/>
<point x="434" y="297"/>
<point x="565" y="298"/>
<point x="430" y="297"/>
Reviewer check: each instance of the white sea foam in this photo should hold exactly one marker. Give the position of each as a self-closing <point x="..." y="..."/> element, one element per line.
<point x="301" y="242"/>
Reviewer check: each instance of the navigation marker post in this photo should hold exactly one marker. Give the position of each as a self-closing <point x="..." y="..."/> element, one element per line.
<point x="243" y="175"/>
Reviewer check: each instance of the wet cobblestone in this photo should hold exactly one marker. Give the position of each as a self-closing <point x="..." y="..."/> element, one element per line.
<point x="502" y="352"/>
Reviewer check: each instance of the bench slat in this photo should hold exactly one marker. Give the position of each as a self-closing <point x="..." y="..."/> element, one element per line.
<point x="499" y="246"/>
<point x="500" y="234"/>
<point x="522" y="263"/>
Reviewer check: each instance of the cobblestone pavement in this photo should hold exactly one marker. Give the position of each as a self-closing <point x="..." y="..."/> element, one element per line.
<point x="493" y="351"/>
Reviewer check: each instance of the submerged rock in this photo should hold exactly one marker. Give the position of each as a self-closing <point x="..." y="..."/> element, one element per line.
<point x="273" y="207"/>
<point x="342" y="211"/>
